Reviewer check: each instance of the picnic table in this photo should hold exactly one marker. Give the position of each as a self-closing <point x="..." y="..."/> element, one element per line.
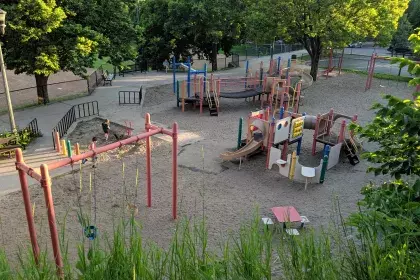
<point x="286" y="214"/>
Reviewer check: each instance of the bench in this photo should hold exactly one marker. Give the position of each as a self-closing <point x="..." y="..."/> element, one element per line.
<point x="107" y="78"/>
<point x="8" y="150"/>
<point x="9" y="145"/>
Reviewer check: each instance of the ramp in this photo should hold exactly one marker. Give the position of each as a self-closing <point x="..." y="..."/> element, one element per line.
<point x="244" y="151"/>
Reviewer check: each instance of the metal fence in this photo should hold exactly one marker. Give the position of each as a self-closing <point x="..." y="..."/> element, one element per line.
<point x="95" y="79"/>
<point x="137" y="67"/>
<point x="33" y="128"/>
<point x="247" y="51"/>
<point x="28" y="96"/>
<point x="361" y="63"/>
<point x="130" y="97"/>
<point x="76" y="112"/>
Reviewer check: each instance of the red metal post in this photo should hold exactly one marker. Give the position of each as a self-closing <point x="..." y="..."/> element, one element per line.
<point x="28" y="205"/>
<point x="318" y="120"/>
<point x="174" y="169"/>
<point x="417" y="91"/>
<point x="201" y="88"/>
<point x="342" y="130"/>
<point x="354" y="120"/>
<point x="297" y="97"/>
<point x="46" y="185"/>
<point x="330" y="120"/>
<point x="148" y="163"/>
<point x="340" y="62"/>
<point x="330" y="62"/>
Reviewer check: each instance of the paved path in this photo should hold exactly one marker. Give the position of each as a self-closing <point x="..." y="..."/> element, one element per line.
<point x="41" y="151"/>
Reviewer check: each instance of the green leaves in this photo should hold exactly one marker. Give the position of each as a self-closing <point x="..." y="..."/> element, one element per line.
<point x="395" y="129"/>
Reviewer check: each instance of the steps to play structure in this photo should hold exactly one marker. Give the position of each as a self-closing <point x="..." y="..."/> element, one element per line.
<point x="274" y="132"/>
<point x="273" y="87"/>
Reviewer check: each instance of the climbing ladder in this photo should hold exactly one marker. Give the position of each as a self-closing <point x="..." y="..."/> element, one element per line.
<point x="212" y="99"/>
<point x="351" y="149"/>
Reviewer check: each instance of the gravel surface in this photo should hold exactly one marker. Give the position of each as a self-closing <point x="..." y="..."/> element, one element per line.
<point x="226" y="195"/>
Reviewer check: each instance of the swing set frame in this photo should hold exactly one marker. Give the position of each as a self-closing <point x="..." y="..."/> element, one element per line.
<point x="42" y="175"/>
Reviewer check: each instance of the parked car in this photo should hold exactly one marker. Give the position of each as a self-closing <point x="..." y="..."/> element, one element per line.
<point x="355" y="45"/>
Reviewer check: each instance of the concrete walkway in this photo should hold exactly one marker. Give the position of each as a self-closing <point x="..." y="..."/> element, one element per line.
<point x="41" y="150"/>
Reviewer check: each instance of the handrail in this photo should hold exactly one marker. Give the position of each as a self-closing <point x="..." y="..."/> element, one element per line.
<point x="76" y="112"/>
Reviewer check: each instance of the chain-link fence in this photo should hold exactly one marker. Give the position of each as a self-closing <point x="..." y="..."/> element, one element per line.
<point x="360" y="62"/>
<point x="28" y="96"/>
<point x="25" y="97"/>
<point x="247" y="51"/>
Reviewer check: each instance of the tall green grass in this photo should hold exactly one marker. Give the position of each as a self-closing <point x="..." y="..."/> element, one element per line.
<point x="253" y="252"/>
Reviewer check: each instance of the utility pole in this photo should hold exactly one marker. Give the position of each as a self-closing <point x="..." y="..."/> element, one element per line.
<point x="3" y="72"/>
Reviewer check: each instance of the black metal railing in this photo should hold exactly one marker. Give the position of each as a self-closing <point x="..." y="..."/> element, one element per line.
<point x="33" y="128"/>
<point x="130" y="97"/>
<point x="95" y="79"/>
<point x="76" y="112"/>
<point x="137" y="67"/>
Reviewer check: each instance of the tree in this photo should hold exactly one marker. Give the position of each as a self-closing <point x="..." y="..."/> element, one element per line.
<point x="318" y="24"/>
<point x="413" y="13"/>
<point x="187" y="27"/>
<point x="400" y="38"/>
<point x="39" y="42"/>
<point x="217" y="25"/>
<point x="112" y="20"/>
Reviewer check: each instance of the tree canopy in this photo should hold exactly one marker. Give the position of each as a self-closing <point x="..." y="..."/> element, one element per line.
<point x="325" y="23"/>
<point x="400" y="38"/>
<point x="41" y="42"/>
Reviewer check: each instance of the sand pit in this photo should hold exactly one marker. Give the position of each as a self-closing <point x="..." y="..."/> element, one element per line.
<point x="225" y="195"/>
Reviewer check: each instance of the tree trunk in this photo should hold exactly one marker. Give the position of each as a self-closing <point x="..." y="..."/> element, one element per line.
<point x="314" y="65"/>
<point x="42" y="88"/>
<point x="214" y="57"/>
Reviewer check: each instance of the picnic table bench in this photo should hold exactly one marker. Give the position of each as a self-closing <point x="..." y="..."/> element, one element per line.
<point x="9" y="145"/>
<point x="107" y="78"/>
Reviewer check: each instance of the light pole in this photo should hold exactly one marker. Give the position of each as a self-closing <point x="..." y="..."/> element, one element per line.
<point x="3" y="72"/>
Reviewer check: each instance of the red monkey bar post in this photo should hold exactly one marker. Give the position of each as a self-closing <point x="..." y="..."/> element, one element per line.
<point x="27" y="203"/>
<point x="148" y="163"/>
<point x="46" y="185"/>
<point x="174" y="169"/>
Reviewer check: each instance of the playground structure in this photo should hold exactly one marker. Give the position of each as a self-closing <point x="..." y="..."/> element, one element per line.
<point x="272" y="86"/>
<point x="374" y="61"/>
<point x="333" y="64"/>
<point x="42" y="176"/>
<point x="266" y="133"/>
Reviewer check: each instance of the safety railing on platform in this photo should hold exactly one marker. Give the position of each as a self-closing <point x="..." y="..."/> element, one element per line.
<point x="130" y="97"/>
<point x="76" y="112"/>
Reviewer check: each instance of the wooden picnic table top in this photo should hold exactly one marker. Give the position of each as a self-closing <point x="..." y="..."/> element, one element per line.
<point x="286" y="214"/>
<point x="7" y="140"/>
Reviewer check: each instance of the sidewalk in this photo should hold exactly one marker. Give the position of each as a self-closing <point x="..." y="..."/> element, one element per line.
<point x="41" y="150"/>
